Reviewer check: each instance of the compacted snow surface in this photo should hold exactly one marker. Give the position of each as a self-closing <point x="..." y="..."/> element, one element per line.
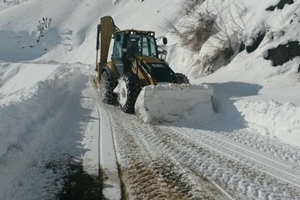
<point x="238" y="137"/>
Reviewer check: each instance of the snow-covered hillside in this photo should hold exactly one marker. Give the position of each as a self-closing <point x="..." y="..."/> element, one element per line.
<point x="50" y="112"/>
<point x="266" y="95"/>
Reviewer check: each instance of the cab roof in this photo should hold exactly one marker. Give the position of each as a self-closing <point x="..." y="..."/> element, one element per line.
<point x="139" y="32"/>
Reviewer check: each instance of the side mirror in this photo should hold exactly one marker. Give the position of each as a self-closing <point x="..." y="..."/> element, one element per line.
<point x="118" y="38"/>
<point x="165" y="40"/>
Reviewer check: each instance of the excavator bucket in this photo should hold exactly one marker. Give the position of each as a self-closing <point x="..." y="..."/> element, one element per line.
<point x="166" y="102"/>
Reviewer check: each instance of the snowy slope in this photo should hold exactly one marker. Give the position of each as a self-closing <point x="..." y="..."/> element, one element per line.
<point x="48" y="112"/>
<point x="266" y="96"/>
<point x="72" y="35"/>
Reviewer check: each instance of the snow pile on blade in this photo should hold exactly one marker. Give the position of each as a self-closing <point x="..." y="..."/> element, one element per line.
<point x="166" y="102"/>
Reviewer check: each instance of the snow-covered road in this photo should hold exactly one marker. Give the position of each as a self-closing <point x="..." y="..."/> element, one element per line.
<point x="55" y="133"/>
<point x="192" y="160"/>
<point x="57" y="139"/>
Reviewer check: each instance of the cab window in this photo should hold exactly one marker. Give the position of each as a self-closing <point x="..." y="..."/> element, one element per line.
<point x="117" y="53"/>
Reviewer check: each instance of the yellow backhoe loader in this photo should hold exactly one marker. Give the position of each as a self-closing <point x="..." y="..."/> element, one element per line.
<point x="130" y="61"/>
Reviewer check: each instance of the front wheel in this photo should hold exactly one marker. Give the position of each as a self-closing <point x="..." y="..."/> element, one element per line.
<point x="128" y="89"/>
<point x="107" y="85"/>
<point x="181" y="78"/>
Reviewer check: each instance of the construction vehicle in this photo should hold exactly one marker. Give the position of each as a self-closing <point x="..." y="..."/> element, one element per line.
<point x="129" y="61"/>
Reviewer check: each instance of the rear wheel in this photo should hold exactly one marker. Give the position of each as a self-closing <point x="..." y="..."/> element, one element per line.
<point x="181" y="78"/>
<point x="128" y="91"/>
<point x="107" y="85"/>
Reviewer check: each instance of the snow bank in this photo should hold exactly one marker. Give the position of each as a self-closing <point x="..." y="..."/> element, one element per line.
<point x="20" y="80"/>
<point x="40" y="132"/>
<point x="17" y="117"/>
<point x="272" y="118"/>
<point x="166" y="102"/>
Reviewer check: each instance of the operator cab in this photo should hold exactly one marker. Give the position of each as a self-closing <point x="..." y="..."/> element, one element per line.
<point x="130" y="43"/>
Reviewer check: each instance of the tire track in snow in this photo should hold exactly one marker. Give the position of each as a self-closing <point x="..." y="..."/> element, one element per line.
<point x="209" y="166"/>
<point x="145" y="175"/>
<point x="237" y="179"/>
<point x="249" y="169"/>
<point x="195" y="155"/>
<point x="168" y="143"/>
<point x="272" y="165"/>
<point x="149" y="174"/>
<point x="193" y="177"/>
<point x="277" y="148"/>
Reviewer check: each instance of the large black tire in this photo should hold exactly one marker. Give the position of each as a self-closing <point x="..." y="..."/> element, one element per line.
<point x="107" y="85"/>
<point x="181" y="78"/>
<point x="128" y="91"/>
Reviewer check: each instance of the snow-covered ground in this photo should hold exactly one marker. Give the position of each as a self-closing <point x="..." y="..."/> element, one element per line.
<point x="51" y="118"/>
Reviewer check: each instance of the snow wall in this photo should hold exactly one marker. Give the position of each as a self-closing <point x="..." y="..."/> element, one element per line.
<point x="167" y="102"/>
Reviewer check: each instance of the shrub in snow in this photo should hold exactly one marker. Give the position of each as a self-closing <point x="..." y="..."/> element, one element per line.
<point x="215" y="25"/>
<point x="198" y="30"/>
<point x="215" y="53"/>
<point x="196" y="27"/>
<point x="43" y="26"/>
<point x="189" y="6"/>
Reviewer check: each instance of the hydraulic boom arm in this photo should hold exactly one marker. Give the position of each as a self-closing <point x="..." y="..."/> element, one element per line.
<point x="105" y="30"/>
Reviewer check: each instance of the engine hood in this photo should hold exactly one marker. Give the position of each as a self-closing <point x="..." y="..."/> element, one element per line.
<point x="149" y="60"/>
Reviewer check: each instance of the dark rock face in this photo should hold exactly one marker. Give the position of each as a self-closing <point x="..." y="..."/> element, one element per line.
<point x="280" y="5"/>
<point x="256" y="43"/>
<point x="283" y="53"/>
<point x="242" y="47"/>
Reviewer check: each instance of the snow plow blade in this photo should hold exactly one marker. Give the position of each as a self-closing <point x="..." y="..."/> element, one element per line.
<point x="166" y="102"/>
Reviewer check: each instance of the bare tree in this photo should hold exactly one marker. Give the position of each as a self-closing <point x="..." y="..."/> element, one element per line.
<point x="43" y="26"/>
<point x="189" y="6"/>
<point x="171" y="28"/>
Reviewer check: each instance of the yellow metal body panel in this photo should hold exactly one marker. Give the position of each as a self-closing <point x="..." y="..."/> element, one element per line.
<point x="113" y="69"/>
<point x="148" y="59"/>
<point x="144" y="77"/>
<point x="108" y="29"/>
